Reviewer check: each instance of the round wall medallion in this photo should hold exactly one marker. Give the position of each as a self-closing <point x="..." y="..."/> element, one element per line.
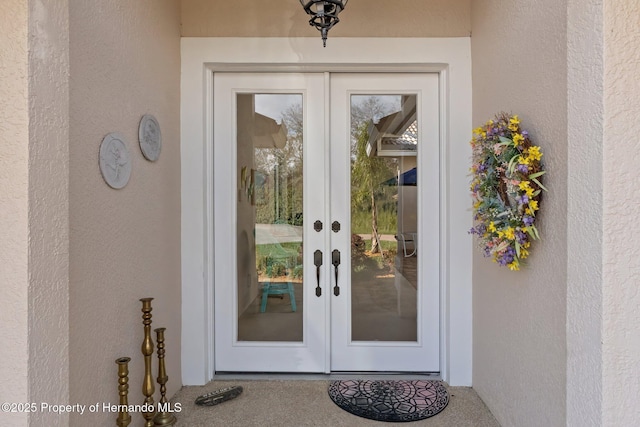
<point x="115" y="161"/>
<point x="150" y="137"/>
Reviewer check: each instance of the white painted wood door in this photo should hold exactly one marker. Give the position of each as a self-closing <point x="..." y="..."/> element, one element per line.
<point x="274" y="310"/>
<point x="386" y="317"/>
<point x="262" y="244"/>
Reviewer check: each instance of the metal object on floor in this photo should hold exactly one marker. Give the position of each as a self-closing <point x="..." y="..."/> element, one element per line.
<point x="124" y="418"/>
<point x="147" y="351"/>
<point x="219" y="396"/>
<point x="162" y="418"/>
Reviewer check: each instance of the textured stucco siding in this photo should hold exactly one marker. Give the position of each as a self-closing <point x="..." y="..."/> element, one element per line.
<point x="584" y="214"/>
<point x="124" y="244"/>
<point x="14" y="143"/>
<point x="621" y="252"/>
<point x="286" y="18"/>
<point x="519" y="347"/>
<point x="48" y="208"/>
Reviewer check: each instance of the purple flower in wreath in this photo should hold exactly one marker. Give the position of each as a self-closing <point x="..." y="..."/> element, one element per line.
<point x="508" y="256"/>
<point x="528" y="220"/>
<point x="487" y="251"/>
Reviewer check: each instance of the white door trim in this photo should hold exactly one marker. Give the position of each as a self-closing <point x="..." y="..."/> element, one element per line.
<point x="450" y="57"/>
<point x="232" y="353"/>
<point x="422" y="353"/>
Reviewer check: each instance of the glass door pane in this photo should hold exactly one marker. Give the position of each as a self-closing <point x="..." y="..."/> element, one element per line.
<point x="384" y="217"/>
<point x="269" y="217"/>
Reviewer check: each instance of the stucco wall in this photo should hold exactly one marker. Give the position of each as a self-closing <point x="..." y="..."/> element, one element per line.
<point x="286" y="18"/>
<point x="519" y="350"/>
<point x="14" y="142"/>
<point x="124" y="244"/>
<point x="48" y="208"/>
<point x="584" y="212"/>
<point x="621" y="203"/>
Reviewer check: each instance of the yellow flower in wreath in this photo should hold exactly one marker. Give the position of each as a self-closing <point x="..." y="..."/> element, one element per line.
<point x="513" y="123"/>
<point x="510" y="233"/>
<point x="517" y="139"/>
<point x="534" y="153"/>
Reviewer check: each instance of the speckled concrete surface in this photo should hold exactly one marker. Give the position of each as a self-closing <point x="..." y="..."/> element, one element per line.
<point x="306" y="403"/>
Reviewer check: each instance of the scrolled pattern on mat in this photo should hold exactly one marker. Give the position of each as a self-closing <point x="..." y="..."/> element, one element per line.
<point x="390" y="400"/>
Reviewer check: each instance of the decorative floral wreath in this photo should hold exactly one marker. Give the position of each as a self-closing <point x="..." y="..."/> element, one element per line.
<point x="506" y="189"/>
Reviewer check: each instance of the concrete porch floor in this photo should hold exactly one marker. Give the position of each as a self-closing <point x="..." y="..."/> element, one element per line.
<point x="306" y="403"/>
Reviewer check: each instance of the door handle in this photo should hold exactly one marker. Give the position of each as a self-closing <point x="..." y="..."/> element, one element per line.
<point x="335" y="260"/>
<point x="317" y="260"/>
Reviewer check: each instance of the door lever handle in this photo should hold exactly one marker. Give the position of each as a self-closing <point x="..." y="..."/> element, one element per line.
<point x="335" y="260"/>
<point x="317" y="260"/>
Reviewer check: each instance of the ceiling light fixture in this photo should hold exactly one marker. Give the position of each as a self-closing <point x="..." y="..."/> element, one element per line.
<point x="324" y="14"/>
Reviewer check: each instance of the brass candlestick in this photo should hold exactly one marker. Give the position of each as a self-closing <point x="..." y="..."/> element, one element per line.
<point x="162" y="418"/>
<point x="124" y="418"/>
<point x="147" y="351"/>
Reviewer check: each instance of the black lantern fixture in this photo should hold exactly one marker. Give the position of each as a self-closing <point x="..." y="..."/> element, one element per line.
<point x="324" y="14"/>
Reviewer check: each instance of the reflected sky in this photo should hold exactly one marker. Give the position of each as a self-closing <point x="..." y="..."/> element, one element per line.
<point x="272" y="105"/>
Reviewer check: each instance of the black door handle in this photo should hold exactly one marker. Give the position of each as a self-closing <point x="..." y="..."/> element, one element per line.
<point x="335" y="260"/>
<point x="317" y="260"/>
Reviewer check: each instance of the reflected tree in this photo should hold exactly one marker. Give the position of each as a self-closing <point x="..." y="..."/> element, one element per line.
<point x="367" y="174"/>
<point x="281" y="169"/>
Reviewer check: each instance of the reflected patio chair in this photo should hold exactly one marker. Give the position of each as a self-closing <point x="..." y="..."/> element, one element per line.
<point x="277" y="288"/>
<point x="410" y="240"/>
<point x="276" y="256"/>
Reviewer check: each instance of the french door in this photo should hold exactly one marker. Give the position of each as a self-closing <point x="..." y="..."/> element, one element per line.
<point x="326" y="222"/>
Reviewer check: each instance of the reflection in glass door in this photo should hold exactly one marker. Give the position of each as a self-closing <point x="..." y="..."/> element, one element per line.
<point x="384" y="220"/>
<point x="270" y="217"/>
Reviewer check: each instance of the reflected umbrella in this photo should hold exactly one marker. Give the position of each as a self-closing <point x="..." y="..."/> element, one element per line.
<point x="406" y="178"/>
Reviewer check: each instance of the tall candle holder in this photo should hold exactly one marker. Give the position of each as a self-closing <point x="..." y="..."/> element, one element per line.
<point x="147" y="351"/>
<point x="162" y="418"/>
<point x="124" y="418"/>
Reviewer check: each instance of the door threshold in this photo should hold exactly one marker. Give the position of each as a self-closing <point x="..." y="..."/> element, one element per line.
<point x="268" y="376"/>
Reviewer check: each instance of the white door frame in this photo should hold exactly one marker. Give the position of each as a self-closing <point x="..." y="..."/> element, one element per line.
<point x="201" y="57"/>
